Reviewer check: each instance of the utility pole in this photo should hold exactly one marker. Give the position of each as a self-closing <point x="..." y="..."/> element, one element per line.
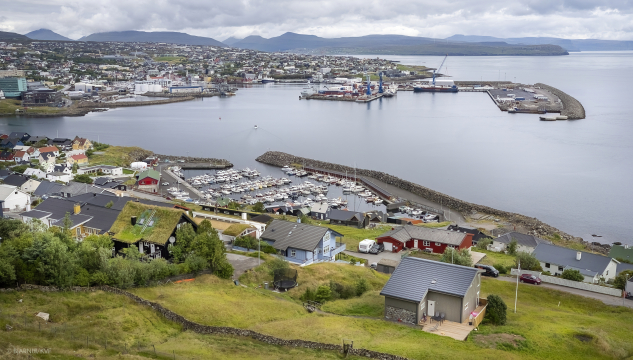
<point x="516" y="295"/>
<point x="626" y="279"/>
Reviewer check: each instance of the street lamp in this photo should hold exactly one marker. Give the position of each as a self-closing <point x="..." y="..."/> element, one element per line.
<point x="626" y="279"/>
<point x="516" y="295"/>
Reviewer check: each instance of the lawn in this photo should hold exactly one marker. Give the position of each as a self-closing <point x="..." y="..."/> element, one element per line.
<point x="8" y="106"/>
<point x="435" y="225"/>
<point x="550" y="330"/>
<point x="101" y="316"/>
<point x="352" y="236"/>
<point x="493" y="258"/>
<point x="118" y="155"/>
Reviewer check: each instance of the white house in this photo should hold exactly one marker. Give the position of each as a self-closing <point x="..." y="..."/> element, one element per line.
<point x="59" y="176"/>
<point x="556" y="259"/>
<point x="30" y="185"/>
<point x="106" y="169"/>
<point x="13" y="198"/>
<point x="35" y="172"/>
<point x="525" y="243"/>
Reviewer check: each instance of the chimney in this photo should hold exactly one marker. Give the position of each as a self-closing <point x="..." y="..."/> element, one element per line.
<point x="133" y="220"/>
<point x="76" y="209"/>
<point x="578" y="255"/>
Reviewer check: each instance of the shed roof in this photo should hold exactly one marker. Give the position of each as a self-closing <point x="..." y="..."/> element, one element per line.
<point x="415" y="277"/>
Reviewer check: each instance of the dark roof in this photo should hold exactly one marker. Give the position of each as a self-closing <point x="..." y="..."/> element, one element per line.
<point x="477" y="234"/>
<point x="589" y="264"/>
<point x="59" y="167"/>
<point x="408" y="232"/>
<point x="522" y="239"/>
<point x="4" y="172"/>
<point x="101" y="181"/>
<point x="38" y="214"/>
<point x="16" y="180"/>
<point x="60" y="141"/>
<point x="624" y="266"/>
<point x="117" y="202"/>
<point x="414" y="277"/>
<point x="344" y="215"/>
<point x="47" y="155"/>
<point x="47" y="188"/>
<point x="264" y="219"/>
<point x="23" y="136"/>
<point x="286" y="234"/>
<point x="91" y="216"/>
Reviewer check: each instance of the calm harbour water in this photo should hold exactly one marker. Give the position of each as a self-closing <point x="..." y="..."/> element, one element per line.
<point x="574" y="175"/>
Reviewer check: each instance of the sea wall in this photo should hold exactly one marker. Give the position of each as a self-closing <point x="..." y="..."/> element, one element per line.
<point x="180" y="95"/>
<point x="532" y="225"/>
<point x="572" y="108"/>
<point x="133" y="103"/>
<point x="220" y="330"/>
<point x="175" y="158"/>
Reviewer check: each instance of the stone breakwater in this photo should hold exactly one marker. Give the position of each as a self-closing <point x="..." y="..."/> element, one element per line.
<point x="532" y="225"/>
<point x="179" y="95"/>
<point x="174" y="158"/>
<point x="219" y="330"/>
<point x="133" y="103"/>
<point x="572" y="108"/>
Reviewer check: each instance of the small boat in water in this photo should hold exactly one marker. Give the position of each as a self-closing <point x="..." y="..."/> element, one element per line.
<point x="255" y="127"/>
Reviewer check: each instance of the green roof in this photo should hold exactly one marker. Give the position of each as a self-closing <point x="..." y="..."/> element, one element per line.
<point x="154" y="224"/>
<point x="235" y="229"/>
<point x="149" y="173"/>
<point x="620" y="252"/>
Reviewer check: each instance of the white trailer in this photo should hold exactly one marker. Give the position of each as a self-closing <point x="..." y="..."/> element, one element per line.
<point x="365" y="245"/>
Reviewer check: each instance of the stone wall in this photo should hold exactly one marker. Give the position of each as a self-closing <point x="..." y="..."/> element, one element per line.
<point x="402" y="315"/>
<point x="532" y="225"/>
<point x="221" y="330"/>
<point x="133" y="103"/>
<point x="174" y="158"/>
<point x="572" y="108"/>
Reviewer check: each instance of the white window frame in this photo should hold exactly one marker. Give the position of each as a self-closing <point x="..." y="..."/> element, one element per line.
<point x="293" y="253"/>
<point x="466" y="306"/>
<point x="422" y="305"/>
<point x="438" y="244"/>
<point x="426" y="243"/>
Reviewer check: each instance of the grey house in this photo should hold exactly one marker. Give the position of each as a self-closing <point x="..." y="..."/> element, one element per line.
<point x="525" y="243"/>
<point x="420" y="286"/>
<point x="556" y="259"/>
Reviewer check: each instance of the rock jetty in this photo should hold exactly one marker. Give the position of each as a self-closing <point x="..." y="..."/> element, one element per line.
<point x="572" y="108"/>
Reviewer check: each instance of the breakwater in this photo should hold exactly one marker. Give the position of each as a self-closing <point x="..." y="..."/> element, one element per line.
<point x="572" y="108"/>
<point x="218" y="330"/>
<point x="195" y="160"/>
<point x="181" y="95"/>
<point x="532" y="225"/>
<point x="133" y="103"/>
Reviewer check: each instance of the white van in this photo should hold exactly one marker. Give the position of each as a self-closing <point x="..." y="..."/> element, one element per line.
<point x="365" y="245"/>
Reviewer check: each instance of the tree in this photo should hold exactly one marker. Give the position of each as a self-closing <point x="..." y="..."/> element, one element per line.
<point x="184" y="238"/>
<point x="259" y="207"/>
<point x="459" y="257"/>
<point x="620" y="281"/>
<point x="483" y="244"/>
<point x="277" y="264"/>
<point x="194" y="264"/>
<point x="323" y="293"/>
<point x="572" y="274"/>
<point x="512" y="247"/>
<point x="496" y="310"/>
<point x="528" y="262"/>
<point x="83" y="178"/>
<point x="362" y="286"/>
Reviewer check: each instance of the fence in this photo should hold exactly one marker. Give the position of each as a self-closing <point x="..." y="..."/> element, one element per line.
<point x="75" y="336"/>
<point x="570" y="283"/>
<point x="480" y="317"/>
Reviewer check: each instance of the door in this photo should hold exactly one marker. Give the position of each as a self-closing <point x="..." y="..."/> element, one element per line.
<point x="388" y="246"/>
<point x="431" y="307"/>
<point x="415" y="244"/>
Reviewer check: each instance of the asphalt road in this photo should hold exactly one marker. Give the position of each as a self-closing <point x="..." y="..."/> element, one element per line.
<point x="607" y="299"/>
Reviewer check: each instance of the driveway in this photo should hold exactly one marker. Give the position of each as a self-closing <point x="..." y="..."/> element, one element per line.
<point x="241" y="263"/>
<point x="375" y="258"/>
<point x="607" y="299"/>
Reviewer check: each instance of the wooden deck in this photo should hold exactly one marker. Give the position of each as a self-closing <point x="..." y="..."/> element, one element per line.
<point x="453" y="329"/>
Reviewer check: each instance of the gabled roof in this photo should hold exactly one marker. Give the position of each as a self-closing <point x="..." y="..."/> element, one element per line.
<point x="589" y="263"/>
<point x="47" y="155"/>
<point x="79" y="157"/>
<point x="16" y="180"/>
<point x="522" y="239"/>
<point x="48" y="149"/>
<point x="415" y="277"/>
<point x="286" y="234"/>
<point x="47" y="188"/>
<point x="236" y="229"/>
<point x="344" y="215"/>
<point x="149" y="173"/>
<point x="91" y="216"/>
<point x="264" y="219"/>
<point x="408" y="232"/>
<point x="320" y="208"/>
<point x="6" y="190"/>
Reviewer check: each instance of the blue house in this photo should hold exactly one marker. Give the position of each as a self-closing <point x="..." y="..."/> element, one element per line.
<point x="303" y="244"/>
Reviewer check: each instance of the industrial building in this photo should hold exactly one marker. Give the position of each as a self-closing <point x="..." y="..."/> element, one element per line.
<point x="13" y="87"/>
<point x="42" y="97"/>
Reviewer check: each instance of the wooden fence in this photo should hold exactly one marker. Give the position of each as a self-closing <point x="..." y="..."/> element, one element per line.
<point x="480" y="317"/>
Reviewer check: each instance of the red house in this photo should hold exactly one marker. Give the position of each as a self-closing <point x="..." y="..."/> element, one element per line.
<point x="415" y="237"/>
<point x="148" y="180"/>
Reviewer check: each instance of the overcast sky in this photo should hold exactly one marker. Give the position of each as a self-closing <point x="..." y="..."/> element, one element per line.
<point x="607" y="19"/>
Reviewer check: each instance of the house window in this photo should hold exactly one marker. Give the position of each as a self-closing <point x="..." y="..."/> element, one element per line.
<point x="326" y="249"/>
<point x="426" y="243"/>
<point x="422" y="305"/>
<point x="546" y="265"/>
<point x="466" y="306"/>
<point x="438" y="244"/>
<point x="293" y="253"/>
<point x="560" y="268"/>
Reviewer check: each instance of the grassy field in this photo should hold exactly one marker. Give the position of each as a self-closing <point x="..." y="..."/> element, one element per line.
<point x="118" y="155"/>
<point x="352" y="236"/>
<point x="493" y="258"/>
<point x="435" y="225"/>
<point x="125" y="325"/>
<point x="577" y="328"/>
<point x="8" y="106"/>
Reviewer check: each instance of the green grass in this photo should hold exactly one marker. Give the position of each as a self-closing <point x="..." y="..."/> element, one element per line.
<point x="100" y="316"/>
<point x="118" y="155"/>
<point x="370" y="304"/>
<point x="352" y="236"/>
<point x="435" y="225"/>
<point x="8" y="106"/>
<point x="128" y="172"/>
<point x="493" y="258"/>
<point x="165" y="221"/>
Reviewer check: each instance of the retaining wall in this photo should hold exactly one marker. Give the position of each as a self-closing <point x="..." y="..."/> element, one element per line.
<point x="572" y="108"/>
<point x="221" y="330"/>
<point x="532" y="225"/>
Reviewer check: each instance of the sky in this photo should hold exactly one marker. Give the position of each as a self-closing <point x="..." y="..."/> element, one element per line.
<point x="220" y="19"/>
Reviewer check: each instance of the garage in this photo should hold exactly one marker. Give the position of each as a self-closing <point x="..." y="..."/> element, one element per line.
<point x="388" y="246"/>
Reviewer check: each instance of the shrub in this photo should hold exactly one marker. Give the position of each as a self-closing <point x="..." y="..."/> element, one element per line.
<point x="259" y="207"/>
<point x="620" y="280"/>
<point x="323" y="294"/>
<point x="224" y="270"/>
<point x="362" y="286"/>
<point x="277" y="264"/>
<point x="572" y="274"/>
<point x="496" y="310"/>
<point x="83" y="178"/>
<point x="483" y="244"/>
<point x="501" y="268"/>
<point x="194" y="264"/>
<point x="459" y="257"/>
<point x="512" y="247"/>
<point x="528" y="262"/>
<point x="308" y="295"/>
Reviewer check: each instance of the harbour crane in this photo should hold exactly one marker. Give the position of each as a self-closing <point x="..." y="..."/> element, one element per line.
<point x="439" y="68"/>
<point x="368" y="92"/>
<point x="380" y="89"/>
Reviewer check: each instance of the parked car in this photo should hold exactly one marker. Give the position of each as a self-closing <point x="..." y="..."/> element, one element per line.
<point x="488" y="270"/>
<point x="530" y="279"/>
<point x="377" y="249"/>
<point x="165" y="183"/>
<point x="373" y="265"/>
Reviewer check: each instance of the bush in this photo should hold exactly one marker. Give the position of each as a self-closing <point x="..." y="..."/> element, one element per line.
<point x="308" y="295"/>
<point x="528" y="262"/>
<point x="277" y="264"/>
<point x="483" y="244"/>
<point x="572" y="274"/>
<point x="620" y="280"/>
<point x="323" y="294"/>
<point x="501" y="268"/>
<point x="496" y="310"/>
<point x="259" y="207"/>
<point x="458" y="257"/>
<point x="512" y="247"/>
<point x="83" y="178"/>
<point x="195" y="264"/>
<point x="362" y="286"/>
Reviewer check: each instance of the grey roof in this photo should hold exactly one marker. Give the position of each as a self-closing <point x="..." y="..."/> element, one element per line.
<point x="624" y="266"/>
<point x="585" y="272"/>
<point x="408" y="232"/>
<point x="286" y="234"/>
<point x="16" y="180"/>
<point x="90" y="215"/>
<point x="47" y="188"/>
<point x="522" y="239"/>
<point x="262" y="218"/>
<point x="344" y="215"/>
<point x="75" y="188"/>
<point x="37" y="214"/>
<point x="117" y="202"/>
<point x="414" y="277"/>
<point x="319" y="208"/>
<point x="567" y="257"/>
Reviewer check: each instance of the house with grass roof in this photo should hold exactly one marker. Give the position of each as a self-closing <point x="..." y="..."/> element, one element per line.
<point x="149" y="228"/>
<point x="236" y="230"/>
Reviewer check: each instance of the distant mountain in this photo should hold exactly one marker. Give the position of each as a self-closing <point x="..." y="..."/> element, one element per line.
<point x="6" y="36"/>
<point x="567" y="44"/>
<point x="389" y="44"/>
<point x="156" y="36"/>
<point x="230" y="41"/>
<point x="45" y="34"/>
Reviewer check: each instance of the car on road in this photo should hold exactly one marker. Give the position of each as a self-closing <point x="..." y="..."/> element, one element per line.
<point x="377" y="249"/>
<point x="530" y="279"/>
<point x="165" y="183"/>
<point x="488" y="270"/>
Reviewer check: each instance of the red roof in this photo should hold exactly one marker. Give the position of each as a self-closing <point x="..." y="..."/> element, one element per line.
<point x="49" y="149"/>
<point x="79" y="157"/>
<point x="20" y="153"/>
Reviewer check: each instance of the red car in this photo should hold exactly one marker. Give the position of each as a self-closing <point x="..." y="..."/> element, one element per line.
<point x="530" y="279"/>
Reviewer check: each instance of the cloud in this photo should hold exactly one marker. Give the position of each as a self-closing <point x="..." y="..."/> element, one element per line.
<point x="608" y="19"/>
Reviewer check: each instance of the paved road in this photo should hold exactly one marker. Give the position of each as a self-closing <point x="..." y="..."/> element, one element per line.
<point x="241" y="263"/>
<point x="607" y="299"/>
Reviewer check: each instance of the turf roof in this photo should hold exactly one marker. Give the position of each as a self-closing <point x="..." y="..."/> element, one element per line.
<point x="235" y="229"/>
<point x="163" y="220"/>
